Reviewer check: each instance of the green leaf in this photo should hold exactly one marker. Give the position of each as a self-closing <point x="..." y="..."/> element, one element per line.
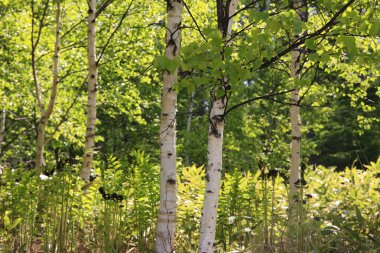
<point x="164" y="63"/>
<point x="325" y="57"/>
<point x="244" y="74"/>
<point x="313" y="57"/>
<point x="262" y="38"/>
<point x="374" y="30"/>
<point x="260" y="15"/>
<point x="349" y="43"/>
<point x="160" y="61"/>
<point x="359" y="216"/>
<point x="310" y="43"/>
<point x="22" y="248"/>
<point x="216" y="37"/>
<point x="228" y="52"/>
<point x="219" y="93"/>
<point x="7" y="222"/>
<point x="189" y="49"/>
<point x="298" y="26"/>
<point x="14" y="224"/>
<point x="273" y="25"/>
<point x="301" y="82"/>
<point x="257" y="63"/>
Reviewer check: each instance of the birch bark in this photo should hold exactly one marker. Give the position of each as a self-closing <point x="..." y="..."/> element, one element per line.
<point x="45" y="114"/>
<point x="215" y="146"/>
<point x="168" y="183"/>
<point x="295" y="161"/>
<point x="91" y="92"/>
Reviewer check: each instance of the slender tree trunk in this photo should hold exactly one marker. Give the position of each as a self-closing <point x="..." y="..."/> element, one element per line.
<point x="266" y="225"/>
<point x="295" y="161"/>
<point x="295" y="203"/>
<point x="45" y="114"/>
<point x="215" y="146"/>
<point x="272" y="218"/>
<point x="91" y="91"/>
<point x="40" y="162"/>
<point x="213" y="177"/>
<point x="188" y="128"/>
<point x="168" y="183"/>
<point x="2" y="125"/>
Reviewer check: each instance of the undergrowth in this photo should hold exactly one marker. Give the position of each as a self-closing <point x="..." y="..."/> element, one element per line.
<point x="117" y="211"/>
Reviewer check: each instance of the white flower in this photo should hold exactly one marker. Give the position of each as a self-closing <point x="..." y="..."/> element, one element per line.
<point x="336" y="203"/>
<point x="44" y="177"/>
<point x="247" y="230"/>
<point x="335" y="190"/>
<point x="231" y="219"/>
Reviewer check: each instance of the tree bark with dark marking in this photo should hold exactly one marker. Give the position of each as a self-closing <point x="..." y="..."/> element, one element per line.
<point x="168" y="184"/>
<point x="91" y="91"/>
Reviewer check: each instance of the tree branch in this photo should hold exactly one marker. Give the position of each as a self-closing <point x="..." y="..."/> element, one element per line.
<point x="246" y="7"/>
<point x="195" y="22"/>
<point x="114" y="31"/>
<point x="268" y="96"/>
<point x="303" y="38"/>
<point x="103" y="7"/>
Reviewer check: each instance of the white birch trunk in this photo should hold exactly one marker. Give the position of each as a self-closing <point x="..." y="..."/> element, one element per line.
<point x="40" y="162"/>
<point x="45" y="115"/>
<point x="168" y="184"/>
<point x="213" y="177"/>
<point x="91" y="92"/>
<point x="214" y="165"/>
<point x="295" y="161"/>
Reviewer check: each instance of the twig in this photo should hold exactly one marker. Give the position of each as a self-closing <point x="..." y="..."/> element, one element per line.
<point x="114" y="31"/>
<point x="195" y="22"/>
<point x="303" y="38"/>
<point x="268" y="96"/>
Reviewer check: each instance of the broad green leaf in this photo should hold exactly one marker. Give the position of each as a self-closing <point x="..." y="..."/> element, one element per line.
<point x="244" y="74"/>
<point x="310" y="43"/>
<point x="349" y="43"/>
<point x="219" y="93"/>
<point x="374" y="30"/>
<point x="260" y="15"/>
<point x="164" y="63"/>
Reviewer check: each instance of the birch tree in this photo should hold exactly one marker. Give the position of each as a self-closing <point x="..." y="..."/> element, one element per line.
<point x="45" y="114"/>
<point x="91" y="92"/>
<point x="168" y="183"/>
<point x="295" y="119"/>
<point x="215" y="141"/>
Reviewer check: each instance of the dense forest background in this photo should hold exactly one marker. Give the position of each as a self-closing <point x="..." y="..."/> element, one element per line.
<point x="46" y="132"/>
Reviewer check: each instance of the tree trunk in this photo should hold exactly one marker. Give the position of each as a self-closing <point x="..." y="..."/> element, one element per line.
<point x="213" y="177"/>
<point x="45" y="115"/>
<point x="295" y="203"/>
<point x="2" y="126"/>
<point x="215" y="147"/>
<point x="91" y="92"/>
<point x="40" y="162"/>
<point x="168" y="183"/>
<point x="188" y="128"/>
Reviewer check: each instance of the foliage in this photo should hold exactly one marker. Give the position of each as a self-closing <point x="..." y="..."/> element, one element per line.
<point x="339" y="86"/>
